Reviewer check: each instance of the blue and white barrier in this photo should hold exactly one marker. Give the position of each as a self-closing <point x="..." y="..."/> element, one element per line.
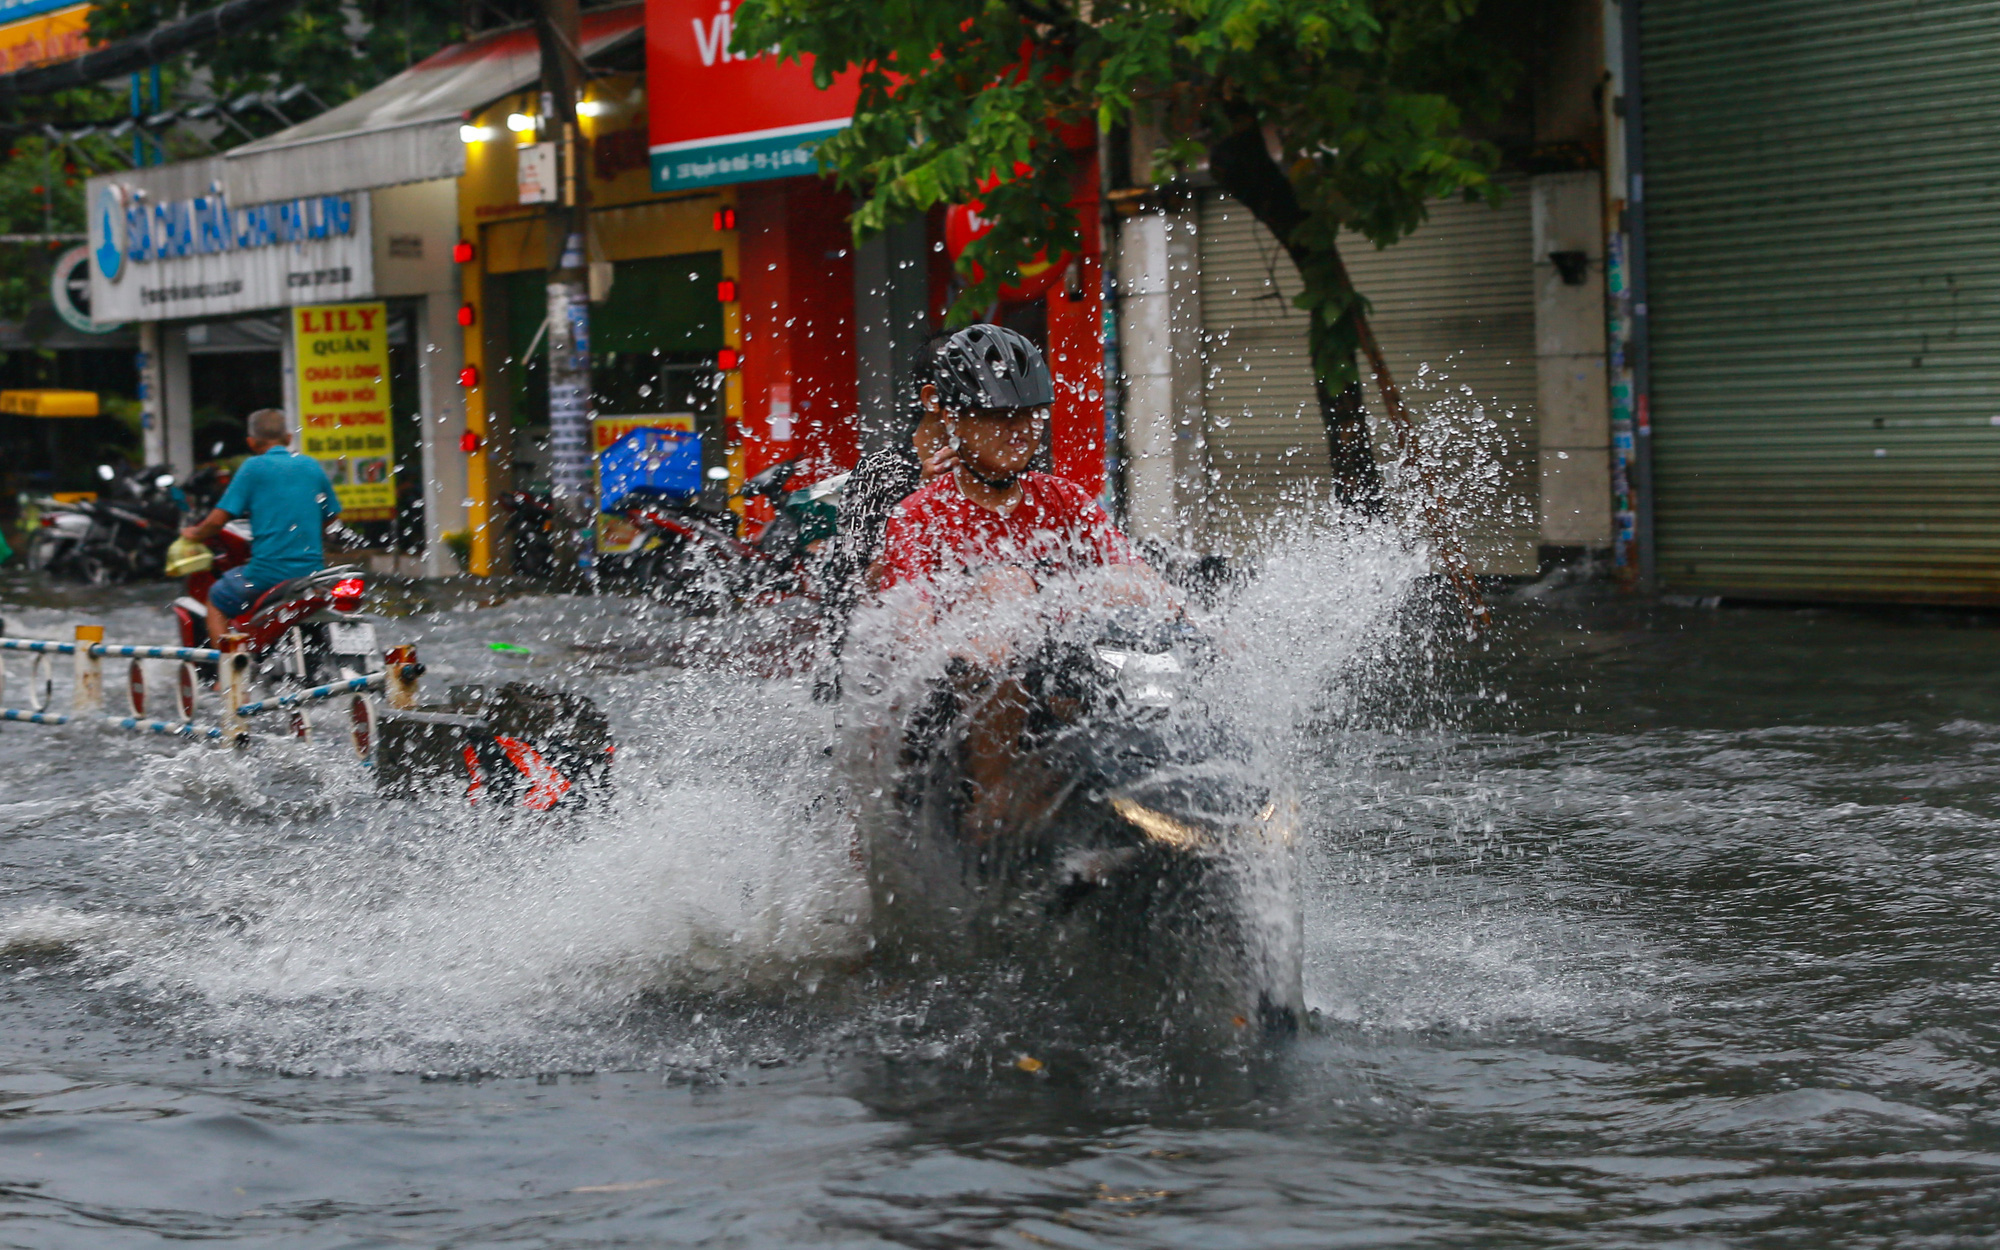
<point x="87" y="696"/>
<point x="351" y="686"/>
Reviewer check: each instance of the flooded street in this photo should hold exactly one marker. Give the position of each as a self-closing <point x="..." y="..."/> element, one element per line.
<point x="1633" y="926"/>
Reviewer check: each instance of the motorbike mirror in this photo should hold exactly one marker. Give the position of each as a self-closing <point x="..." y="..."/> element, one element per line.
<point x="164" y="481"/>
<point x="718" y="474"/>
<point x="104" y="472"/>
<point x="215" y="450"/>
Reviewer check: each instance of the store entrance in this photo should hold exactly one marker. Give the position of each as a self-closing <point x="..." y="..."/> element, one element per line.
<point x="653" y="345"/>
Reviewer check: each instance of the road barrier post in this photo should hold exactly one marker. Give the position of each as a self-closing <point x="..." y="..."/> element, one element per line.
<point x="235" y="681"/>
<point x="400" y="678"/>
<point x="88" y="697"/>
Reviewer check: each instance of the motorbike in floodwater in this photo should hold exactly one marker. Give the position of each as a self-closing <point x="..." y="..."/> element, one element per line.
<point x="690" y="554"/>
<point x="1142" y="864"/>
<point x="303" y="632"/>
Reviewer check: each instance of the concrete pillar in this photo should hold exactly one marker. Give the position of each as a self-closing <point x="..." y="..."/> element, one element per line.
<point x="1574" y="419"/>
<point x="440" y="356"/>
<point x="1145" y="356"/>
<point x="153" y="429"/>
<point x="177" y="399"/>
<point x="891" y="318"/>
<point x="288" y="375"/>
<point x="1187" y="360"/>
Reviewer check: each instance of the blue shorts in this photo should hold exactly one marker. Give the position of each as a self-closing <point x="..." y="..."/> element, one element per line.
<point x="234" y="592"/>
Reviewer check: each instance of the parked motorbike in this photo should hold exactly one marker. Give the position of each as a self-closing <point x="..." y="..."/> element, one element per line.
<point x="689" y="553"/>
<point x="58" y="540"/>
<point x="533" y="525"/>
<point x="1139" y="866"/>
<point x="124" y="533"/>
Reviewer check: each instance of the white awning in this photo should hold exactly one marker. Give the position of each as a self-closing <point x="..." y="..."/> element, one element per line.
<point x="406" y="130"/>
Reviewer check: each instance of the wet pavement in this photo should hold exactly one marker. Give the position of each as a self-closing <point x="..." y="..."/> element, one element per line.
<point x="1629" y="926"/>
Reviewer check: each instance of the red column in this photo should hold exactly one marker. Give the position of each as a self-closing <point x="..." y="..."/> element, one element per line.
<point x="796" y="288"/>
<point x="1076" y="352"/>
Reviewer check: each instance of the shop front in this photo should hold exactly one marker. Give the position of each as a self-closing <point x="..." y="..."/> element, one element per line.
<point x="226" y="297"/>
<point x="824" y="334"/>
<point x="727" y="296"/>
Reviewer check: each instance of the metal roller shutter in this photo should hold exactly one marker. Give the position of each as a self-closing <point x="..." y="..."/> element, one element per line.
<point x="1454" y="310"/>
<point x="1823" y="218"/>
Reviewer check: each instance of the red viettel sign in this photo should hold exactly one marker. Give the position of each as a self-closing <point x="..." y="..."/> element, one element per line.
<point x="717" y="117"/>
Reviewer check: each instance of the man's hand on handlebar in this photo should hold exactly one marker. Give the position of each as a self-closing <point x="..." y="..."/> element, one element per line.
<point x="208" y="527"/>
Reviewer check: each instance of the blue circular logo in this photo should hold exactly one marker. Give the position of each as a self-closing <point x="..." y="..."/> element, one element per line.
<point x="107" y="249"/>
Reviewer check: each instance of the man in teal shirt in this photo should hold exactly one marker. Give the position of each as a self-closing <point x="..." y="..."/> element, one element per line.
<point x="288" y="500"/>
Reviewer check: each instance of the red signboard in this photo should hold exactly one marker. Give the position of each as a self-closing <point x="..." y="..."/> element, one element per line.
<point x="717" y="117"/>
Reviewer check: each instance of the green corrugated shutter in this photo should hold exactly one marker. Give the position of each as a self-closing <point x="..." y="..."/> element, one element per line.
<point x="1823" y="214"/>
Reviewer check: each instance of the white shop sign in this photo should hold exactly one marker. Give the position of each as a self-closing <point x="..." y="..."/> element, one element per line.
<point x="153" y="259"/>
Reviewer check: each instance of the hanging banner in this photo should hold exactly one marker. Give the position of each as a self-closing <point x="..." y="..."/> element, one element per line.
<point x="341" y="356"/>
<point x="716" y="117"/>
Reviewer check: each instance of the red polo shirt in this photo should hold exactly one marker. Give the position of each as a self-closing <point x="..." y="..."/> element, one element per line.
<point x="1056" y="527"/>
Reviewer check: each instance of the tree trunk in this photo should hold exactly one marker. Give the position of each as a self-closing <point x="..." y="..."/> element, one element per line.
<point x="1243" y="167"/>
<point x="1357" y="479"/>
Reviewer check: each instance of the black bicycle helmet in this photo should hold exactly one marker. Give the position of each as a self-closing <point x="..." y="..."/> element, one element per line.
<point x="988" y="366"/>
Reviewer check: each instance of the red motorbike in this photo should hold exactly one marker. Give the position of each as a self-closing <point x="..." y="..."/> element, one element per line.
<point x="302" y="632"/>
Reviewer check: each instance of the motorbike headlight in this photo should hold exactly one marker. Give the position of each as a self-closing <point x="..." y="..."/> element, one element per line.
<point x="1144" y="675"/>
<point x="1160" y="827"/>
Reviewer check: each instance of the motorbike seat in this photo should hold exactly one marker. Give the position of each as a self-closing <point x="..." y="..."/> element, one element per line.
<point x="277" y="594"/>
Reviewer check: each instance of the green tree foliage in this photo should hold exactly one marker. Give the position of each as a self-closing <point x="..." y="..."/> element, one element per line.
<point x="1318" y="115"/>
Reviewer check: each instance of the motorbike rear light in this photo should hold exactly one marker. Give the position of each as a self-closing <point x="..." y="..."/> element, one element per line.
<point x="727" y="359"/>
<point x="347" y="594"/>
<point x="468" y="377"/>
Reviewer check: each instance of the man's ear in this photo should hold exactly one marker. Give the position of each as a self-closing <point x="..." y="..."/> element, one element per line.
<point x="927" y="395"/>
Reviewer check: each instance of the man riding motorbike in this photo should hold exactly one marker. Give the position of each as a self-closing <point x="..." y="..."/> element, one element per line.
<point x="289" y="503"/>
<point x="988" y="535"/>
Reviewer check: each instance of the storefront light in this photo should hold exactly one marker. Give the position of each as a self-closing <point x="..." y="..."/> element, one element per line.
<point x="467" y="314"/>
<point x="728" y="359"/>
<point x="519" y="122"/>
<point x="474" y="134"/>
<point x="725" y="291"/>
<point x="468" y="377"/>
<point x="592" y="108"/>
<point x="462" y="252"/>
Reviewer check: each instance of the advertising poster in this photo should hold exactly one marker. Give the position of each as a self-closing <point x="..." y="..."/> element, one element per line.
<point x="342" y="357"/>
<point x="608" y="430"/>
<point x="716" y="117"/>
<point x="614" y="532"/>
